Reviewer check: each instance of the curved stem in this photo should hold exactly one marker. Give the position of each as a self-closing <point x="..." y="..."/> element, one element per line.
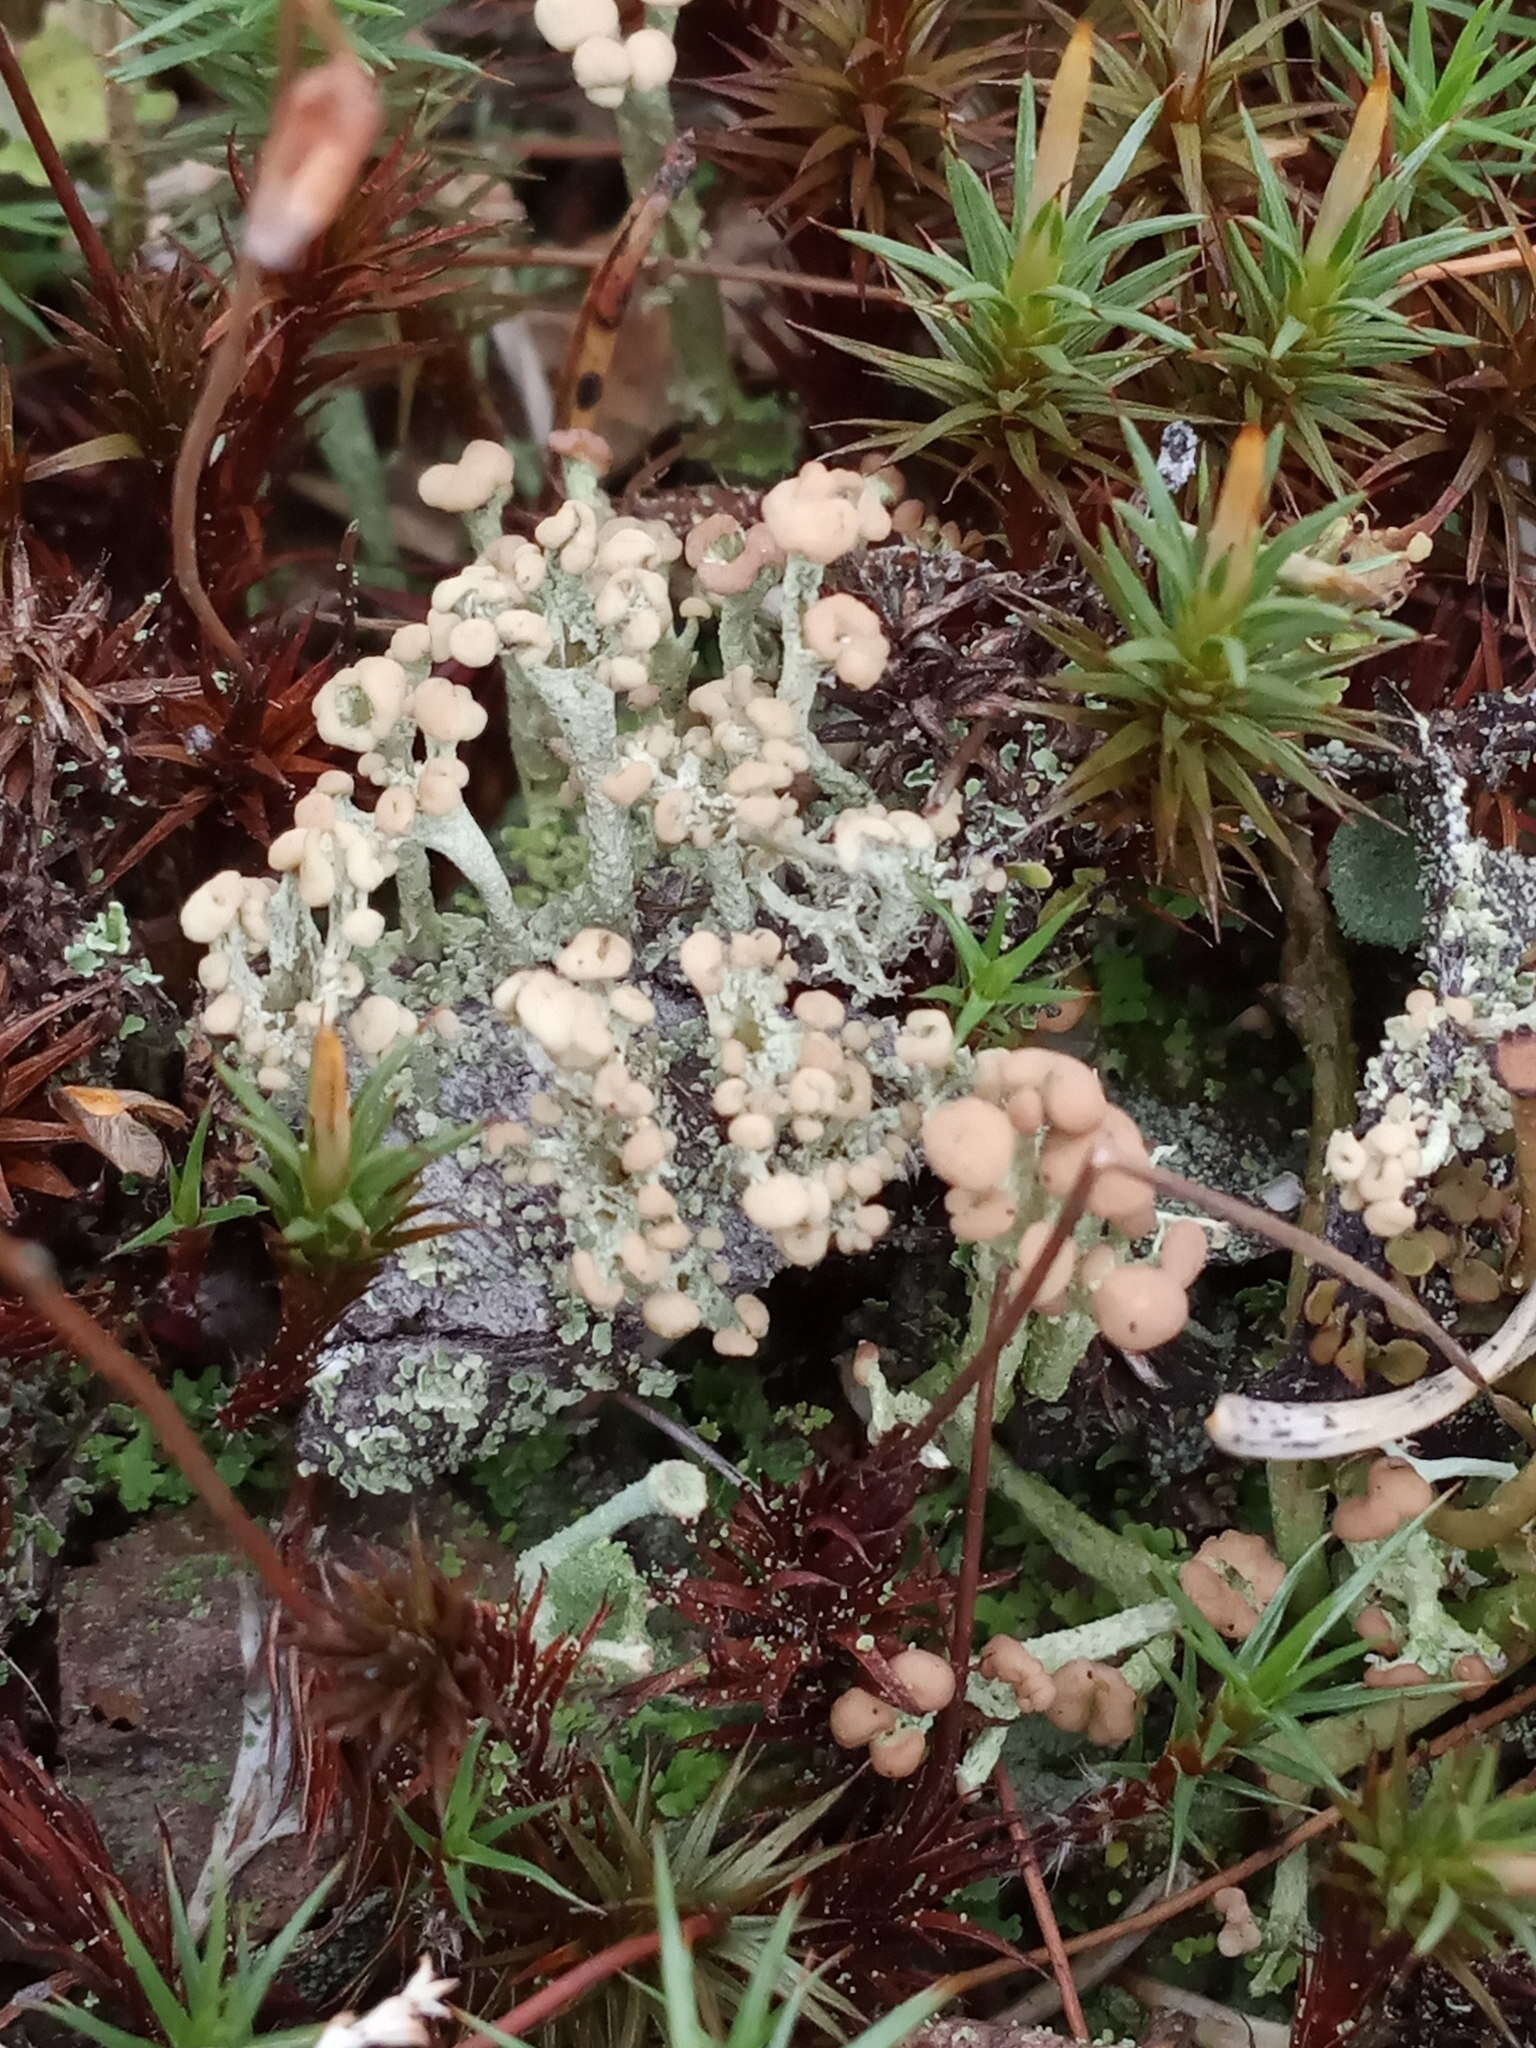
<point x="946" y="1746"/>
<point x="459" y="839"/>
<point x="1407" y="1312"/>
<point x="223" y="375"/>
<point x="1249" y="1428"/>
<point x="28" y="1271"/>
<point x="582" y="1977"/>
<point x="97" y="259"/>
<point x="1005" y="1313"/>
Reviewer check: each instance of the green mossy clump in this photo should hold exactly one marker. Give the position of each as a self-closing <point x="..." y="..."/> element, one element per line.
<point x="1376" y="880"/>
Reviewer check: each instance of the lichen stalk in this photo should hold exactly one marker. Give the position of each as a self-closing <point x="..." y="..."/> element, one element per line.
<point x="799" y="675"/>
<point x="672" y="1489"/>
<point x="1111" y="1561"/>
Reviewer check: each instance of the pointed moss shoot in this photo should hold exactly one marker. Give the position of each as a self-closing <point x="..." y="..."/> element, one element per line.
<point x="1222" y="675"/>
<point x="1039" y="323"/>
<point x="339" y="1194"/>
<point x="1311" y="334"/>
<point x="186" y="1212"/>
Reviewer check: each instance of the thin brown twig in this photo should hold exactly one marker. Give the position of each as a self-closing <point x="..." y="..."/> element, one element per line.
<point x="946" y="1748"/>
<point x="559" y="148"/>
<point x="542" y="256"/>
<point x="222" y="377"/>
<point x="1479" y="1724"/>
<point x="28" y="1271"/>
<point x="689" y="1440"/>
<point x="1479" y="265"/>
<point x="1040" y="1901"/>
<point x="98" y="260"/>
<point x="1012" y="1298"/>
<point x="1003" y="1327"/>
<point x="582" y="1977"/>
<point x="1407" y="1312"/>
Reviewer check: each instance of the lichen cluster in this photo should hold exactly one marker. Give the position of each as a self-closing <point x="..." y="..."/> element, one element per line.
<point x="1432" y="1095"/>
<point x="1413" y="1635"/>
<point x="812" y="1114"/>
<point x="678" y="1076"/>
<point x="1010" y="1152"/>
<point x="606" y="63"/>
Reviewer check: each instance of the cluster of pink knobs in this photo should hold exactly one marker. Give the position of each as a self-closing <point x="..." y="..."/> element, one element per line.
<point x="1037" y="1118"/>
<point x="895" y="1743"/>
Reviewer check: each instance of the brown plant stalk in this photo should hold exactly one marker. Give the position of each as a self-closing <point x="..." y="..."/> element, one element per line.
<point x="97" y="259"/>
<point x="584" y="1976"/>
<point x="1481" y="265"/>
<point x="1009" y="1305"/>
<point x="543" y="256"/>
<point x="223" y="375"/>
<point x="1040" y="1901"/>
<point x="27" y="1271"/>
<point x="946" y="1748"/>
<point x="1407" y="1312"/>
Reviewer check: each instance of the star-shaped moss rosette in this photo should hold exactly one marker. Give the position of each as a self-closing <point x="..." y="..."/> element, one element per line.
<point x="1228" y="666"/>
<point x="1038" y="324"/>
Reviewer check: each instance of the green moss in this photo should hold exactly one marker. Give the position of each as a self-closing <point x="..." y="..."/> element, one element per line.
<point x="514" y="1478"/>
<point x="1376" y="880"/>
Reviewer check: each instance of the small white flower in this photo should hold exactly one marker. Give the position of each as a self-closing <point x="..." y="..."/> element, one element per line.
<point x="399" y="2022"/>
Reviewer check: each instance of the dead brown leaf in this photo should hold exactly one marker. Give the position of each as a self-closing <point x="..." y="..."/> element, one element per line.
<point x="115" y="1123"/>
